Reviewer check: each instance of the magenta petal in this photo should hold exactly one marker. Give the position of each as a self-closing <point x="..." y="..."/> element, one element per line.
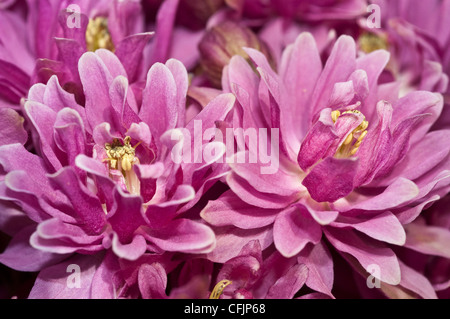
<point x="320" y="268"/>
<point x="229" y="209"/>
<point x="159" y="101"/>
<point x="293" y="229"/>
<point x="130" y="251"/>
<point x="126" y="216"/>
<point x="367" y="252"/>
<point x="20" y="255"/>
<point x="89" y="211"/>
<point x="58" y="281"/>
<point x="43" y="118"/>
<point x="318" y="140"/>
<point x="129" y="51"/>
<point x="183" y="235"/>
<point x="331" y="179"/>
<point x="374" y="151"/>
<point x="11" y="127"/>
<point x="421" y="157"/>
<point x="104" y="183"/>
<point x="340" y="64"/>
<point x="288" y="285"/>
<point x="152" y="280"/>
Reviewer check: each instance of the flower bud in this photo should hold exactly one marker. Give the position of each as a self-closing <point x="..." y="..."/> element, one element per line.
<point x="222" y="42"/>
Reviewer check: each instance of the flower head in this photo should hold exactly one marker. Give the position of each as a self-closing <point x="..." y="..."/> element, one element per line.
<point x="351" y="157"/>
<point x="104" y="177"/>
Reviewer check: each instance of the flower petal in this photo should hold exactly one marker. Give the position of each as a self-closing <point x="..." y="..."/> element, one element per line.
<point x="367" y="252"/>
<point x="331" y="179"/>
<point x="183" y="235"/>
<point x="287" y="286"/>
<point x="385" y="227"/>
<point x="229" y="209"/>
<point x="429" y="240"/>
<point x="293" y="229"/>
<point x="11" y="127"/>
<point x="159" y="101"/>
<point x="20" y="255"/>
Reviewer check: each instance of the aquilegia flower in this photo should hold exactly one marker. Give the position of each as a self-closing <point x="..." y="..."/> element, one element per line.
<point x="105" y="177"/>
<point x="356" y="162"/>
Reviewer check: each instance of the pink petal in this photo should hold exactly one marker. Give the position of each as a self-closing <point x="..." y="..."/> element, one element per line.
<point x="288" y="285"/>
<point x="317" y="141"/>
<point x="96" y="78"/>
<point x="231" y="240"/>
<point x="11" y="127"/>
<point x="399" y="192"/>
<point x="54" y="282"/>
<point x="320" y="268"/>
<point x="152" y="280"/>
<point x="159" y="101"/>
<point x="228" y="209"/>
<point x="20" y="255"/>
<point x="183" y="235"/>
<point x="331" y="179"/>
<point x="293" y="229"/>
<point x="251" y="196"/>
<point x="340" y="64"/>
<point x="367" y="252"/>
<point x="300" y="68"/>
<point x="282" y="182"/>
<point x="385" y="227"/>
<point x="429" y="240"/>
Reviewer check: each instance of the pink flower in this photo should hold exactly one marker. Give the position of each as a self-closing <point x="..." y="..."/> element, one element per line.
<point x="104" y="177"/>
<point x="356" y="162"/>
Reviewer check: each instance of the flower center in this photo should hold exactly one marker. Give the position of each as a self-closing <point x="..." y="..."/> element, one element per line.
<point x="353" y="140"/>
<point x="369" y="42"/>
<point x="98" y="36"/>
<point x="121" y="158"/>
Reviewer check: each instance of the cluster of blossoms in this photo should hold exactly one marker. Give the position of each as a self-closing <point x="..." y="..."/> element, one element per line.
<point x="225" y="149"/>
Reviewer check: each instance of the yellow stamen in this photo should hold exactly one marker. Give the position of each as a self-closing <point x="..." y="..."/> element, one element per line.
<point x="335" y="115"/>
<point x="369" y="42"/>
<point x="218" y="289"/>
<point x="348" y="139"/>
<point x="348" y="149"/>
<point x="121" y="153"/>
<point x="98" y="36"/>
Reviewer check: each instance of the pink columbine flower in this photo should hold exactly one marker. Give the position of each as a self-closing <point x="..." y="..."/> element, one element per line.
<point x="356" y="162"/>
<point x="104" y="177"/>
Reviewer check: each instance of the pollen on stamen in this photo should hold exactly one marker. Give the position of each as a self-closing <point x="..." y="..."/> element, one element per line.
<point x="98" y="36"/>
<point x="353" y="140"/>
<point x="121" y="158"/>
<point x="218" y="288"/>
